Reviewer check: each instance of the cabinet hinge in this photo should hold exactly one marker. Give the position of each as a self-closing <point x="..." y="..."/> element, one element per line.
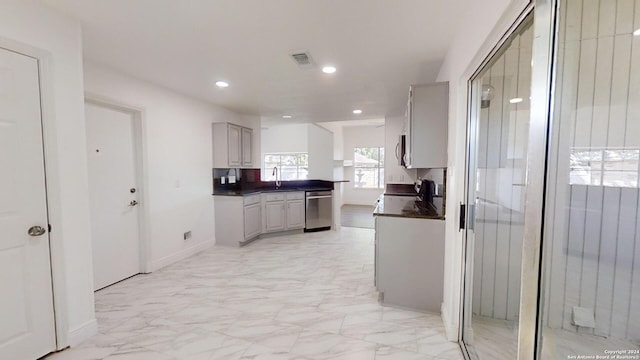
<point x="49" y="227"/>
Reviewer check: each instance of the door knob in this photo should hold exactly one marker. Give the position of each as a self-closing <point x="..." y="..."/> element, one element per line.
<point x="133" y="203"/>
<point x="36" y="231"/>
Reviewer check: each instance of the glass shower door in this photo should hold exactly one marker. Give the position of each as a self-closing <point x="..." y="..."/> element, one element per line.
<point x="497" y="153"/>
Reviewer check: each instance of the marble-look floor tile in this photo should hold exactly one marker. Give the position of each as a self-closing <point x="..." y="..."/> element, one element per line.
<point x="320" y="345"/>
<point x="498" y="339"/>
<point x="391" y="353"/>
<point x="312" y="318"/>
<point x="377" y="331"/>
<point x="296" y="297"/>
<point x="258" y="352"/>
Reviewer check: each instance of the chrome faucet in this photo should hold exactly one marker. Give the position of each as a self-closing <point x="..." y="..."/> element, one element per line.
<point x="275" y="173"/>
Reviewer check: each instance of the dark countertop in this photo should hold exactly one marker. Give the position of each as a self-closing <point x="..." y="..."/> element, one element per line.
<point x="260" y="191"/>
<point x="407" y="207"/>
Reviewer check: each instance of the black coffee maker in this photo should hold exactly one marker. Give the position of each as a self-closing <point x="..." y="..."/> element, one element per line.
<point x="426" y="191"/>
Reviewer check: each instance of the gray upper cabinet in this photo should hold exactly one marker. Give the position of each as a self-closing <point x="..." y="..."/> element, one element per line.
<point x="427" y="122"/>
<point x="232" y="146"/>
<point x="247" y="148"/>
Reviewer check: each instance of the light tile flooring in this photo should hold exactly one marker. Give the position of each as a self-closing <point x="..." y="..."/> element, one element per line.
<point x="357" y="216"/>
<point x="307" y="296"/>
<point x="498" y="340"/>
<point x="495" y="339"/>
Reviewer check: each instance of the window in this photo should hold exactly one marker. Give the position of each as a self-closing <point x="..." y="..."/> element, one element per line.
<point x="605" y="167"/>
<point x="291" y="166"/>
<point x="368" y="166"/>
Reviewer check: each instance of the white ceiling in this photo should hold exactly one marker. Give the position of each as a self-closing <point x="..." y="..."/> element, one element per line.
<point x="351" y="123"/>
<point x="380" y="47"/>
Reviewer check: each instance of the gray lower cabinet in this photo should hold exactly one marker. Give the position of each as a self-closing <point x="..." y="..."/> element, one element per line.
<point x="376" y="260"/>
<point x="240" y="219"/>
<point x="283" y="211"/>
<point x="409" y="262"/>
<point x="295" y="214"/>
<point x="252" y="221"/>
<point x="295" y="210"/>
<point x="274" y="216"/>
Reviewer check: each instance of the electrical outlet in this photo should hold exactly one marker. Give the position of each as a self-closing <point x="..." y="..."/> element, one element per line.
<point x="187" y="235"/>
<point x="223" y="180"/>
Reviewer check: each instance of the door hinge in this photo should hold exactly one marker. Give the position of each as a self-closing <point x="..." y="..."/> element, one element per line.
<point x="462" y="216"/>
<point x="49" y="227"/>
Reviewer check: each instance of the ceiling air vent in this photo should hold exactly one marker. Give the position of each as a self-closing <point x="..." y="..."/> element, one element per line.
<point x="303" y="59"/>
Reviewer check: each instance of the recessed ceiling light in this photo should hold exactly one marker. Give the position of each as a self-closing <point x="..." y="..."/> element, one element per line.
<point x="515" y="100"/>
<point x="222" y="84"/>
<point x="637" y="32"/>
<point x="286" y="116"/>
<point x="357" y="111"/>
<point x="329" y="69"/>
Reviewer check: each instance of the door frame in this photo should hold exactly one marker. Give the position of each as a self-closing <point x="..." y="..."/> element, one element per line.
<point x="52" y="184"/>
<point x="542" y="80"/>
<point x="513" y="17"/>
<point x="540" y="127"/>
<point x="140" y="149"/>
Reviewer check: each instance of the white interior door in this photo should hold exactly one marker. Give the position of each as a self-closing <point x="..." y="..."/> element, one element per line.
<point x="27" y="329"/>
<point x="113" y="194"/>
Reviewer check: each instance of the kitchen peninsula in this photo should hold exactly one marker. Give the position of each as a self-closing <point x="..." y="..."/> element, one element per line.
<point x="409" y="252"/>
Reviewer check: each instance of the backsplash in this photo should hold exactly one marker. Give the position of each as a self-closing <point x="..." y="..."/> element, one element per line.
<point x="249" y="179"/>
<point x="436" y="174"/>
<point x="244" y="178"/>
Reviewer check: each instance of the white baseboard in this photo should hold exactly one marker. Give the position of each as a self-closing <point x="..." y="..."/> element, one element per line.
<point x="173" y="258"/>
<point x="83" y="332"/>
<point x="450" y="328"/>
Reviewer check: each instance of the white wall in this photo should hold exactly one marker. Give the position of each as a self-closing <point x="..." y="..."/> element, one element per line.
<point x="320" y="153"/>
<point x="338" y="169"/>
<point x="338" y="155"/>
<point x="177" y="136"/>
<point x="394" y="173"/>
<point x="478" y="31"/>
<point x="28" y="25"/>
<point x="309" y="138"/>
<point x="360" y="136"/>
<point x="285" y="138"/>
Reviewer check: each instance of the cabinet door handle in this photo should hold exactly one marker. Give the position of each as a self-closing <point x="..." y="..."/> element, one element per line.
<point x="462" y="217"/>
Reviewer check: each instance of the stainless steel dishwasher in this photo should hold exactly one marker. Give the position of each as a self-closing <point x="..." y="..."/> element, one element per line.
<point x="319" y="210"/>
